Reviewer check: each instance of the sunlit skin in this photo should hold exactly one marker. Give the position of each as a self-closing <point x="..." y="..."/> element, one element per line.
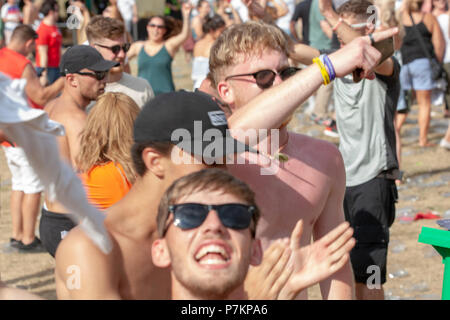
<point x="210" y="261"/>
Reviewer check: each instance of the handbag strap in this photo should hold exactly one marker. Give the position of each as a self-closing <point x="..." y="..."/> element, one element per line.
<point x="421" y="41"/>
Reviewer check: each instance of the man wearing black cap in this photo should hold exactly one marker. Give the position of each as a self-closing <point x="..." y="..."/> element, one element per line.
<point x="85" y="73"/>
<point x="128" y="272"/>
<point x="169" y="144"/>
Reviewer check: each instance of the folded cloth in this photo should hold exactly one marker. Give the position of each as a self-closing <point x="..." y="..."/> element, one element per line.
<point x="32" y="130"/>
<point x="427" y="215"/>
<point x="444" y="223"/>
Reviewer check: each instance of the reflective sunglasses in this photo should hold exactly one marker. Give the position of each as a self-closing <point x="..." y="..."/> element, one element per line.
<point x="265" y="78"/>
<point x="191" y="215"/>
<point x="116" y="49"/>
<point x="152" y="25"/>
<point x="99" y="75"/>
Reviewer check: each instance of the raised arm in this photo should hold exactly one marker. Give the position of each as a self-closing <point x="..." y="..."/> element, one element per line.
<point x="173" y="43"/>
<point x="342" y="29"/>
<point x="273" y="106"/>
<point x="35" y="91"/>
<point x="134" y="49"/>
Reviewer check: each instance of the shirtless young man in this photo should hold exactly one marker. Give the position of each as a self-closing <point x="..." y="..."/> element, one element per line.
<point x="310" y="185"/>
<point x="127" y="272"/>
<point x="85" y="73"/>
<point x="209" y="252"/>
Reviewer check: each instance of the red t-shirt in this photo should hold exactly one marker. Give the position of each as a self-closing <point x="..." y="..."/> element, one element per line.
<point x="12" y="64"/>
<point x="51" y="37"/>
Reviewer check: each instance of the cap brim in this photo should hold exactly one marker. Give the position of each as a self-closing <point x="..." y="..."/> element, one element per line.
<point x="219" y="148"/>
<point x="104" y="65"/>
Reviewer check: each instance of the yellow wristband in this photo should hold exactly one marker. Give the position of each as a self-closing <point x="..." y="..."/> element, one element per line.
<point x="323" y="71"/>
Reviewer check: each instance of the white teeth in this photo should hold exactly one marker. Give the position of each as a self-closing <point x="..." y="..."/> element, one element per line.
<point x="211" y="261"/>
<point x="211" y="249"/>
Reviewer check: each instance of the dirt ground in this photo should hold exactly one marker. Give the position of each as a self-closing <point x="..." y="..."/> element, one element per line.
<point x="415" y="270"/>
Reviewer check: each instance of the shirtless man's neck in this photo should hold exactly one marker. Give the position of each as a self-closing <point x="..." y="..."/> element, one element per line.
<point x="135" y="215"/>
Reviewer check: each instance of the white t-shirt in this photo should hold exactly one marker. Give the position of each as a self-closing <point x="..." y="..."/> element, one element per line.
<point x="284" y="21"/>
<point x="443" y="23"/>
<point x="241" y="9"/>
<point x="137" y="88"/>
<point x="11" y="12"/>
<point x="126" y="8"/>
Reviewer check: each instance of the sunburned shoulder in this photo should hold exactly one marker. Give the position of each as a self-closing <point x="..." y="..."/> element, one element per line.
<point x="312" y="145"/>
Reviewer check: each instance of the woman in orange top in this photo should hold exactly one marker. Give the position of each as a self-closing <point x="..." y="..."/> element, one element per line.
<point x="104" y="160"/>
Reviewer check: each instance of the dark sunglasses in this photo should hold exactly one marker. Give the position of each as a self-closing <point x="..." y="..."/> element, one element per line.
<point x="191" y="215"/>
<point x="152" y="25"/>
<point x="116" y="49"/>
<point x="99" y="75"/>
<point x="265" y="78"/>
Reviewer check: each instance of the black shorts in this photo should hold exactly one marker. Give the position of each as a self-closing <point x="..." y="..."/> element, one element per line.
<point x="370" y="210"/>
<point x="52" y="228"/>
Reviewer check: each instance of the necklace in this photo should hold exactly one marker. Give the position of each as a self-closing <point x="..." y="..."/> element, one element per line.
<point x="282" y="157"/>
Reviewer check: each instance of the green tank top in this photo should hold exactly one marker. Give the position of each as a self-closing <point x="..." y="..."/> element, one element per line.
<point x="157" y="70"/>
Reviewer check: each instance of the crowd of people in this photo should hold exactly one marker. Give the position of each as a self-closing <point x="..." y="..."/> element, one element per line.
<point x="185" y="215"/>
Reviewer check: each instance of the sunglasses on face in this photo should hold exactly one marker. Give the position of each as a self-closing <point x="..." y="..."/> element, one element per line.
<point x="99" y="75"/>
<point x="265" y="78"/>
<point x="116" y="49"/>
<point x="191" y="215"/>
<point x="159" y="26"/>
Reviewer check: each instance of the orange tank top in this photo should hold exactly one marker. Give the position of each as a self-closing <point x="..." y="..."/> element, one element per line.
<point x="105" y="184"/>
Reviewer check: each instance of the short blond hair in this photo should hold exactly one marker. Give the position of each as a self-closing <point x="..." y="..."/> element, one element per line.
<point x="248" y="39"/>
<point x="102" y="27"/>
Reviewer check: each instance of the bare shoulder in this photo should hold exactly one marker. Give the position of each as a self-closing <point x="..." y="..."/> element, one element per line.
<point x="321" y="153"/>
<point x="78" y="249"/>
<point x="64" y="112"/>
<point x="98" y="273"/>
<point x="312" y="146"/>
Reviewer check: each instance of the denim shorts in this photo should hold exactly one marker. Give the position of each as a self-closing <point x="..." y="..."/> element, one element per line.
<point x="416" y="75"/>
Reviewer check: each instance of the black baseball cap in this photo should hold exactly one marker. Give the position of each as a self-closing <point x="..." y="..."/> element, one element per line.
<point x="193" y="121"/>
<point x="80" y="57"/>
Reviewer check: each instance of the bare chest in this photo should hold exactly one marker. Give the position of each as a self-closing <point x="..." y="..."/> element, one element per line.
<point x="296" y="191"/>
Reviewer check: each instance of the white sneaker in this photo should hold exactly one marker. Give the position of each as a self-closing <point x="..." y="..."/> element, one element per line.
<point x="445" y="144"/>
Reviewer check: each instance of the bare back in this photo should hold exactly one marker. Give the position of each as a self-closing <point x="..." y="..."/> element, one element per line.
<point x="73" y="118"/>
<point x="126" y="273"/>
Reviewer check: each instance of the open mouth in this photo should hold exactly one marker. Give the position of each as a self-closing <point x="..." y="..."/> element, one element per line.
<point x="213" y="255"/>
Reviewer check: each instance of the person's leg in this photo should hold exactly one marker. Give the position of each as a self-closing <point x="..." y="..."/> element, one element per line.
<point x="362" y="292"/>
<point x="322" y="101"/>
<point x="16" y="214"/>
<point x="30" y="210"/>
<point x="370" y="209"/>
<point x="424" y="102"/>
<point x="13" y="160"/>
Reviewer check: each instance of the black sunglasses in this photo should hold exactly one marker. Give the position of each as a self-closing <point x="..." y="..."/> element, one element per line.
<point x="116" y="49"/>
<point x="191" y="215"/>
<point x="265" y="78"/>
<point x="99" y="75"/>
<point x="156" y="26"/>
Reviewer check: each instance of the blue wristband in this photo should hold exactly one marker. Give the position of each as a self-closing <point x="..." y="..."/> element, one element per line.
<point x="327" y="62"/>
